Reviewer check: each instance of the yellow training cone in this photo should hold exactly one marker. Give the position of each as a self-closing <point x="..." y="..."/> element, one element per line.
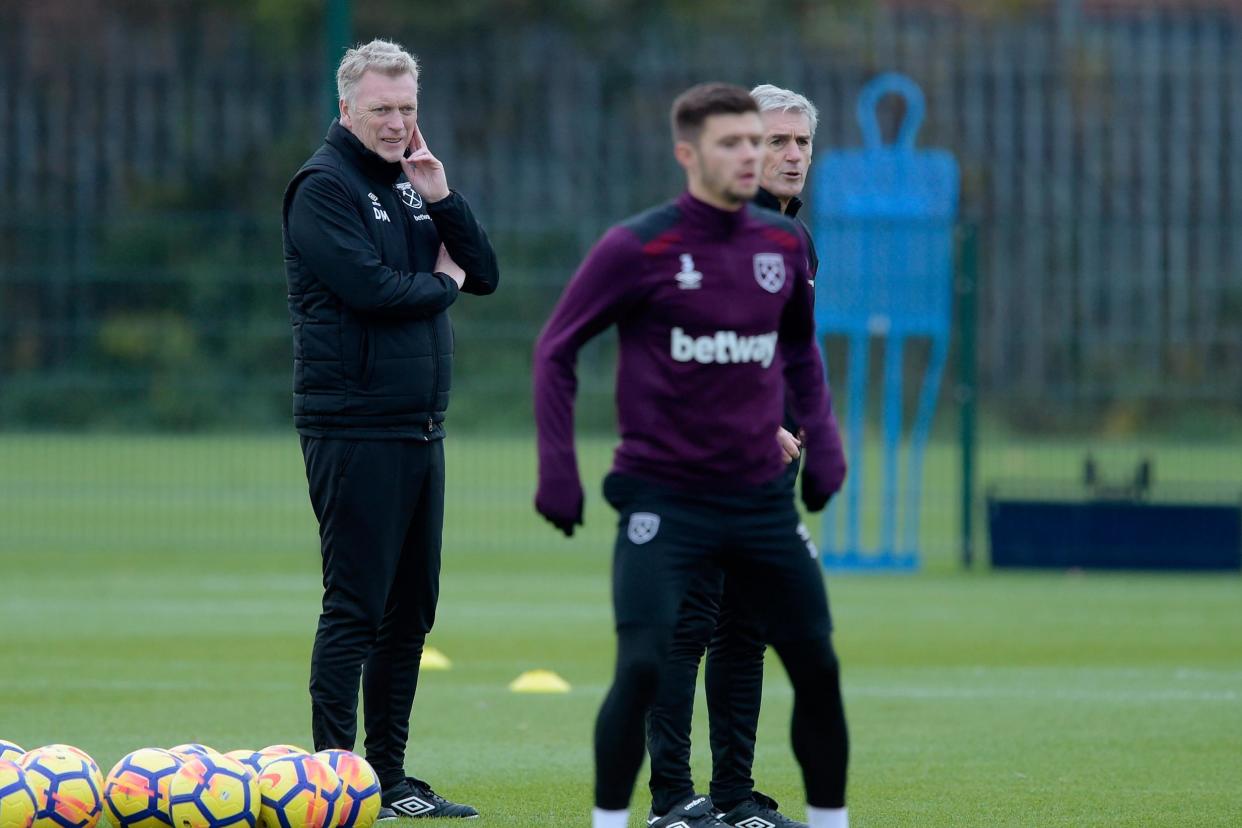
<point x="433" y="659"/>
<point x="539" y="681"/>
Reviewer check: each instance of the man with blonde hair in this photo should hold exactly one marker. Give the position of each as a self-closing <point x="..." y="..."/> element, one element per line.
<point x="377" y="247"/>
<point x="717" y="620"/>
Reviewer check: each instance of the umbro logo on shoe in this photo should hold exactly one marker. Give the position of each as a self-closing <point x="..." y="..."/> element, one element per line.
<point x="414" y="799"/>
<point x="694" y="813"/>
<point x="760" y="811"/>
<point x="412" y="806"/>
<point x="754" y="822"/>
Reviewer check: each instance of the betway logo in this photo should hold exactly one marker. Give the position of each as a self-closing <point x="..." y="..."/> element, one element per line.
<point x="724" y="347"/>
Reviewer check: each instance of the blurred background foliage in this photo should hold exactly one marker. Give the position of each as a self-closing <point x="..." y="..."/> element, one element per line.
<point x="147" y="145"/>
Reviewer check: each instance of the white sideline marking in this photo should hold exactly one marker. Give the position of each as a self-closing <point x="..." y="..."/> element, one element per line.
<point x="1107" y="696"/>
<point x="912" y="692"/>
<point x="62" y="683"/>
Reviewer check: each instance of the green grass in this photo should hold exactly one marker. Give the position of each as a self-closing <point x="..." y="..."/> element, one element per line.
<point x="165" y="590"/>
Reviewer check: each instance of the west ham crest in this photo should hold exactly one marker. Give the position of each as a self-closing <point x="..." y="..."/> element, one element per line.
<point x="409" y="195"/>
<point x="643" y="527"/>
<point x="770" y="271"/>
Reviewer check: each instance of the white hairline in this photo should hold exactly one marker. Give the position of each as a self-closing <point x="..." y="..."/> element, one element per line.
<point x="382" y="56"/>
<point x="771" y="98"/>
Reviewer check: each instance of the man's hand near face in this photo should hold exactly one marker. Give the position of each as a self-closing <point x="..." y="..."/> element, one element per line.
<point x="424" y="170"/>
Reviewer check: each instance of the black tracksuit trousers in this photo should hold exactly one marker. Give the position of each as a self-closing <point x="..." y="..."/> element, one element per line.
<point x="735" y="649"/>
<point x="380" y="506"/>
<point x="675" y="553"/>
<point x="716" y="621"/>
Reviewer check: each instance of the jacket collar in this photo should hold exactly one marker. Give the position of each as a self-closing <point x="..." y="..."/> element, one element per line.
<point x="712" y="220"/>
<point x="765" y="199"/>
<point x="374" y="167"/>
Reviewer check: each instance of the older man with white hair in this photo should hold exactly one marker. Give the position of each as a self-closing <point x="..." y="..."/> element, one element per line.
<point x="718" y="621"/>
<point x="377" y="247"/>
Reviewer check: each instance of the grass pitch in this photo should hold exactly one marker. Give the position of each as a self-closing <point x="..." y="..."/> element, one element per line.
<point x="160" y="590"/>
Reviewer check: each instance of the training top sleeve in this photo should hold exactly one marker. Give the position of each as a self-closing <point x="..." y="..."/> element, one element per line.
<point x="809" y="398"/>
<point x="804" y="370"/>
<point x="327" y="231"/>
<point x="605" y="286"/>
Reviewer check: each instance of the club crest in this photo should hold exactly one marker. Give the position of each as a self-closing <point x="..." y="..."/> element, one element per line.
<point x="770" y="271"/>
<point x="409" y="195"/>
<point x="643" y="527"/>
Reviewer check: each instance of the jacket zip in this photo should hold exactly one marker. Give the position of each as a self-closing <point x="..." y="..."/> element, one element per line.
<point x="435" y="374"/>
<point x="435" y="340"/>
<point x="368" y="357"/>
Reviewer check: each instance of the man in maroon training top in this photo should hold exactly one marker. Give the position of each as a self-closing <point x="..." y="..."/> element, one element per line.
<point x="712" y="303"/>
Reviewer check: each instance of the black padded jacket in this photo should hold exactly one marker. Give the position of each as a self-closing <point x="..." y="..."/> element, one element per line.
<point x="372" y="341"/>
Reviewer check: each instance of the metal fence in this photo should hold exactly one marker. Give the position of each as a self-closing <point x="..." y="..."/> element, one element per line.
<point x="1101" y="157"/>
<point x="143" y="151"/>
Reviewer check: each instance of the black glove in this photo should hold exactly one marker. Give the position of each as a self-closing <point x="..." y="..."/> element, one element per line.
<point x="561" y="503"/>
